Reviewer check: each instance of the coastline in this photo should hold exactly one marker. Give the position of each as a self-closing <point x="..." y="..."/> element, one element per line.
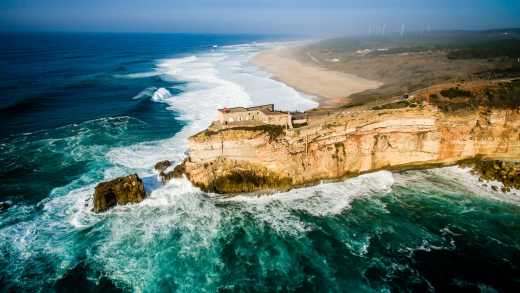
<point x="332" y="87"/>
<point x="417" y="133"/>
<point x="184" y="238"/>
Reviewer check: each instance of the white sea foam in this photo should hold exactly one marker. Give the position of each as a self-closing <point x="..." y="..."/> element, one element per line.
<point x="325" y="198"/>
<point x="176" y="211"/>
<point x="457" y="179"/>
<point x="132" y="243"/>
<point x="463" y="177"/>
<point x="161" y="94"/>
<point x="278" y="210"/>
<point x="138" y="75"/>
<point x="147" y="92"/>
<point x="222" y="78"/>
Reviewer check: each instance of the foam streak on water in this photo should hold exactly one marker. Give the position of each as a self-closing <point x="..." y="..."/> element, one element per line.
<point x="217" y="79"/>
<point x="56" y="227"/>
<point x="362" y="234"/>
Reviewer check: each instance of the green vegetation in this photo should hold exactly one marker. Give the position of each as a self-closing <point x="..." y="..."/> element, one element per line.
<point x="273" y="131"/>
<point x="248" y="181"/>
<point x="415" y="61"/>
<point x="454" y="107"/>
<point x="456" y="92"/>
<point x="396" y="105"/>
<point x="401" y="50"/>
<point x="500" y="48"/>
<point x="351" y="105"/>
<point x="504" y="72"/>
<point x="507" y="95"/>
<point x="461" y="44"/>
<point x="503" y="95"/>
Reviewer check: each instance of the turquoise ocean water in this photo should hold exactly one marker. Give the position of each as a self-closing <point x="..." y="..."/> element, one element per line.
<point x="77" y="109"/>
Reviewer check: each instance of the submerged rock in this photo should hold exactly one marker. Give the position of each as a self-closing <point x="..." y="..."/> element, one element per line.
<point x="120" y="191"/>
<point x="162" y="165"/>
<point x="4" y="205"/>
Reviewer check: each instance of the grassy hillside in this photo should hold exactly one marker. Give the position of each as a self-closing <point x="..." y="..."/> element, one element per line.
<point x="418" y="60"/>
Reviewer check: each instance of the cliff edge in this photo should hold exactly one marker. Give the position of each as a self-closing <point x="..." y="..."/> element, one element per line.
<point x="438" y="126"/>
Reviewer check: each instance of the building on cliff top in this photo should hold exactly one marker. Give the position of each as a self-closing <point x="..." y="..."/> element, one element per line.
<point x="265" y="114"/>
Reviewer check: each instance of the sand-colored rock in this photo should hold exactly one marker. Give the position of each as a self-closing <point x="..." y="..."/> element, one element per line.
<point x="349" y="143"/>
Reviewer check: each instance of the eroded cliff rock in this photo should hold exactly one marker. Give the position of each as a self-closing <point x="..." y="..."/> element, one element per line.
<point x="119" y="191"/>
<point x="175" y="173"/>
<point x="507" y="172"/>
<point x="165" y="175"/>
<point x="235" y="176"/>
<point x="351" y="142"/>
<point x="162" y="165"/>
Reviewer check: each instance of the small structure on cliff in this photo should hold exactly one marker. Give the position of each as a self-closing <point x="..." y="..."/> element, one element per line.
<point x="264" y="114"/>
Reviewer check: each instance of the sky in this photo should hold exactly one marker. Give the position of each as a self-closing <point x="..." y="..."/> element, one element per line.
<point x="325" y="17"/>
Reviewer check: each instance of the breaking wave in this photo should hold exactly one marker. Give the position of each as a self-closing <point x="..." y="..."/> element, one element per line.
<point x="138" y="75"/>
<point x="372" y="232"/>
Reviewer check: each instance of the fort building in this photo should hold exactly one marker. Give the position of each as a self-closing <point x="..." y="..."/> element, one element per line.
<point x="260" y="114"/>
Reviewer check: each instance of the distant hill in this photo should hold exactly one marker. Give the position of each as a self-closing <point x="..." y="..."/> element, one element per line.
<point x="416" y="60"/>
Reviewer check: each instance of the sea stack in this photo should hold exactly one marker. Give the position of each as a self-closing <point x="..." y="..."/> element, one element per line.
<point x="120" y="191"/>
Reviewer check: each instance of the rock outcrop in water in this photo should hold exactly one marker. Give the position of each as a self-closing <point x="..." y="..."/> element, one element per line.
<point x="162" y="165"/>
<point x="165" y="176"/>
<point x="348" y="142"/>
<point x="4" y="205"/>
<point x="506" y="172"/>
<point x="120" y="191"/>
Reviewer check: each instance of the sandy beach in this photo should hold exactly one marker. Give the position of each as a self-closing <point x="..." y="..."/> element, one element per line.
<point x="332" y="87"/>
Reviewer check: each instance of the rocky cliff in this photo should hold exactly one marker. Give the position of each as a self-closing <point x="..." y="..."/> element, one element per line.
<point x="403" y="135"/>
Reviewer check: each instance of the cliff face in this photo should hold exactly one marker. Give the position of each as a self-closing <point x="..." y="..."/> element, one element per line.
<point x="349" y="143"/>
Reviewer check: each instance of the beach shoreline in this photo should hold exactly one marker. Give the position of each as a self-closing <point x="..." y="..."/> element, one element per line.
<point x="332" y="88"/>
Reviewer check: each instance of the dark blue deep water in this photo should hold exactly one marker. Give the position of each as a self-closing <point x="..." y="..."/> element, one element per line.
<point x="76" y="109"/>
<point x="60" y="92"/>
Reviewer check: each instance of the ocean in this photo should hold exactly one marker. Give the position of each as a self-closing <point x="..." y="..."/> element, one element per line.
<point x="77" y="109"/>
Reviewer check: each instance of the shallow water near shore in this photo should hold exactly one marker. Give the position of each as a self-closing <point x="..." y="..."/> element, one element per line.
<point x="425" y="230"/>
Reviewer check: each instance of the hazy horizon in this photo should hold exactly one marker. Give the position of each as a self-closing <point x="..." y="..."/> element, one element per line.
<point x="312" y="18"/>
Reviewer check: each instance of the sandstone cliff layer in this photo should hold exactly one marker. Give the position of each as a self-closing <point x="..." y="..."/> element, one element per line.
<point x="350" y="142"/>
